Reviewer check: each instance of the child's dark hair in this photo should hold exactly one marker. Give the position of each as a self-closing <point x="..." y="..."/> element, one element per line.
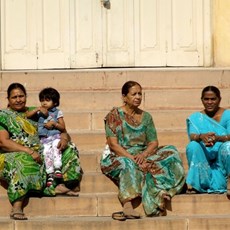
<point x="50" y="94"/>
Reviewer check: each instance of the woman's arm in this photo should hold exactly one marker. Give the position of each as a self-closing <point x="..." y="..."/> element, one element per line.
<point x="149" y="151"/>
<point x="117" y="148"/>
<point x="8" y="145"/>
<point x="65" y="138"/>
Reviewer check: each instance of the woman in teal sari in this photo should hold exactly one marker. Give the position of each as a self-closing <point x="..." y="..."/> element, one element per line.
<point x="208" y="152"/>
<point x="134" y="161"/>
<point x="21" y="165"/>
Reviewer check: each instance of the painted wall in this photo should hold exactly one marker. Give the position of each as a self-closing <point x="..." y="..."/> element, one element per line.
<point x="221" y="33"/>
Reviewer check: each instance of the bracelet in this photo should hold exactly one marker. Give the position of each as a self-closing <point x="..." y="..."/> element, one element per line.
<point x="197" y="137"/>
<point x="226" y="138"/>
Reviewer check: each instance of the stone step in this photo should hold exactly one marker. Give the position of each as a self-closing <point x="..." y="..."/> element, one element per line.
<point x="103" y="100"/>
<point x="105" y="203"/>
<point x="108" y="79"/>
<point x="163" y="119"/>
<point x="96" y="140"/>
<point x="201" y="222"/>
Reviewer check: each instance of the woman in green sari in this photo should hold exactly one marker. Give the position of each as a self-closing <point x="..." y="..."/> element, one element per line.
<point x="21" y="164"/>
<point x="134" y="161"/>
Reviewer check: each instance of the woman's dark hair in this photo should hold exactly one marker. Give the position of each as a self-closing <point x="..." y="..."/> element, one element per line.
<point x="125" y="88"/>
<point x="15" y="86"/>
<point x="212" y="88"/>
<point x="50" y="94"/>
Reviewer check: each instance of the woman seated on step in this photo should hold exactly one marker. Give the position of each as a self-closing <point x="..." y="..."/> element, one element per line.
<point x="208" y="152"/>
<point x="21" y="164"/>
<point x="133" y="160"/>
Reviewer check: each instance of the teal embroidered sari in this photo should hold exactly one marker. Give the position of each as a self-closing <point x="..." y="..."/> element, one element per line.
<point x="208" y="166"/>
<point x="165" y="172"/>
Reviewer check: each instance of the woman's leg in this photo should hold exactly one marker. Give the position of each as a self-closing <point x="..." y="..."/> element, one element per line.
<point x="129" y="178"/>
<point x="129" y="211"/>
<point x="17" y="210"/>
<point x="199" y="173"/>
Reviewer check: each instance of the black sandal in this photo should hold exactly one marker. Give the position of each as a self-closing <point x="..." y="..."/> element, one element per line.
<point x="119" y="216"/>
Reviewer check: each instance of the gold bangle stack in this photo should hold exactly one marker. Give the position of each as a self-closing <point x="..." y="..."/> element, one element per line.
<point x="196" y="137"/>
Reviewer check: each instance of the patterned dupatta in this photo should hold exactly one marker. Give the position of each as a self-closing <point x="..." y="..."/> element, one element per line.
<point x="21" y="130"/>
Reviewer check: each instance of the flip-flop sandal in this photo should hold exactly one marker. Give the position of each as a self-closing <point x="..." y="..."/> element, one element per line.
<point x="18" y="216"/>
<point x="132" y="217"/>
<point x="119" y="216"/>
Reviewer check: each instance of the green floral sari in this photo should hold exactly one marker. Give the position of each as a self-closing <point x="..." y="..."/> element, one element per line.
<point x="22" y="174"/>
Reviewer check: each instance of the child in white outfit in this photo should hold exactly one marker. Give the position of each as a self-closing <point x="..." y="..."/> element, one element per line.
<point x="50" y="125"/>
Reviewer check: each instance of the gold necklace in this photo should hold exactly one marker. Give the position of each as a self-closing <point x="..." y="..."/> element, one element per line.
<point x="131" y="119"/>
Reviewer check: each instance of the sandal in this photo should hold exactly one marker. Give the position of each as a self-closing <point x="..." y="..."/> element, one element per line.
<point x="58" y="174"/>
<point x="18" y="215"/>
<point x="119" y="216"/>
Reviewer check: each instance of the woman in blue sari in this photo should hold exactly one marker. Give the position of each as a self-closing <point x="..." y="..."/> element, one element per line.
<point x="134" y="161"/>
<point x="208" y="152"/>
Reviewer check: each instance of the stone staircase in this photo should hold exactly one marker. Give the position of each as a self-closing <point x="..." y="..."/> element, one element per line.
<point x="170" y="95"/>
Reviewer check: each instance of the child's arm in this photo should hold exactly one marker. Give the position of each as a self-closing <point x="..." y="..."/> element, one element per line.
<point x="31" y="113"/>
<point x="60" y="124"/>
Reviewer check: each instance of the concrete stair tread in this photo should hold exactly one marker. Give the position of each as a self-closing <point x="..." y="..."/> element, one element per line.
<point x="103" y="204"/>
<point x="201" y="222"/>
<point x="96" y="140"/>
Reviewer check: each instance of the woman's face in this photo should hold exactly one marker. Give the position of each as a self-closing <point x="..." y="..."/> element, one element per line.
<point x="134" y="97"/>
<point x="210" y="101"/>
<point x="17" y="100"/>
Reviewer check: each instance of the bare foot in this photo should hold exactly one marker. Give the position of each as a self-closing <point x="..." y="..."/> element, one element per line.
<point x="166" y="196"/>
<point x="61" y="189"/>
<point x="72" y="193"/>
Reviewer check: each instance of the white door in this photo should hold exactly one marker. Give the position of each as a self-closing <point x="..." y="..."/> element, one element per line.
<point x="48" y="34"/>
<point x="53" y="33"/>
<point x="150" y="32"/>
<point x="185" y="40"/>
<point x="86" y="33"/>
<point x="35" y="34"/>
<point x="18" y="34"/>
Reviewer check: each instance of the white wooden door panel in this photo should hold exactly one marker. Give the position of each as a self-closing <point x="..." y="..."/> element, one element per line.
<point x="185" y="33"/>
<point x="86" y="42"/>
<point x="118" y="34"/>
<point x="48" y="34"/>
<point x="18" y="34"/>
<point x="150" y="33"/>
<point x="53" y="34"/>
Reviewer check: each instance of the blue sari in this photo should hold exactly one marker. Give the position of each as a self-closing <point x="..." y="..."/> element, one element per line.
<point x="209" y="167"/>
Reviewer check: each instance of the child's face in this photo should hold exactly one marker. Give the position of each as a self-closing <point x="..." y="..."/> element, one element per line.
<point x="47" y="103"/>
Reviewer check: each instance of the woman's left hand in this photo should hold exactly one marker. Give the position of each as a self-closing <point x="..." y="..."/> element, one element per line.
<point x="63" y="143"/>
<point x="139" y="158"/>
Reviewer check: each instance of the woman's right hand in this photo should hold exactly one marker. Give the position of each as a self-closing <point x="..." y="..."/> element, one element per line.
<point x="208" y="138"/>
<point x="37" y="157"/>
